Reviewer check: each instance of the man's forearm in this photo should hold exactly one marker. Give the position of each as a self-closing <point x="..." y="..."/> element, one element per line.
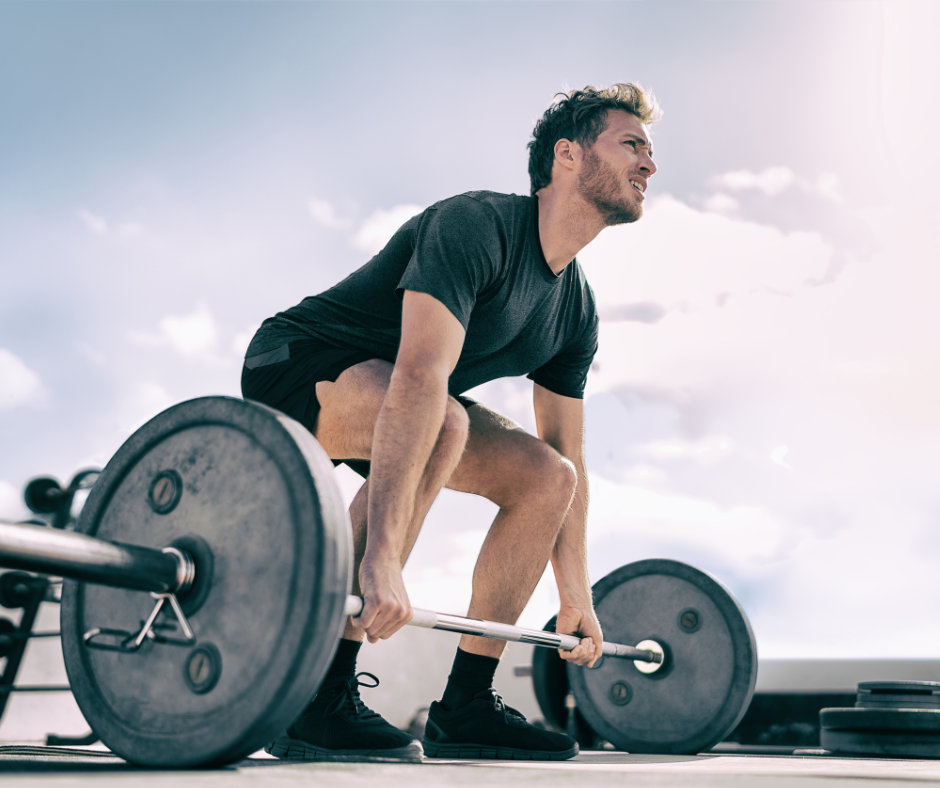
<point x="406" y="430"/>
<point x="569" y="556"/>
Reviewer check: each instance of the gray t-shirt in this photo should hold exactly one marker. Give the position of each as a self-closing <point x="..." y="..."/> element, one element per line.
<point x="479" y="254"/>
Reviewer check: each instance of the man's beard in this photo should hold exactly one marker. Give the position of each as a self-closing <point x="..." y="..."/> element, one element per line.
<point x="600" y="186"/>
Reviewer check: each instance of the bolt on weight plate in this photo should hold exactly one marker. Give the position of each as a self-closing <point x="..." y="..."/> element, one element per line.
<point x="259" y="509"/>
<point x="620" y="693"/>
<point x="203" y="668"/>
<point x="708" y="675"/>
<point x="165" y="491"/>
<point x="690" y="620"/>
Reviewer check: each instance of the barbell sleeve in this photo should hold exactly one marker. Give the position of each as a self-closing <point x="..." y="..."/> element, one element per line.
<point x="37" y="548"/>
<point x="428" y="619"/>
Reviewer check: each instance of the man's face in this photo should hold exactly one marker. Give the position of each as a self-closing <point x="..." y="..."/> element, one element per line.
<point x="615" y="170"/>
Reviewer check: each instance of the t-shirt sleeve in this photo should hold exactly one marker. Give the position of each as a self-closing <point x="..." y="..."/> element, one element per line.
<point x="456" y="256"/>
<point x="566" y="372"/>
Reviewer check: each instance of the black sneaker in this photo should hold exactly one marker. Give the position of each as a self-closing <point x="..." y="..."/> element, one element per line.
<point x="488" y="728"/>
<point x="338" y="726"/>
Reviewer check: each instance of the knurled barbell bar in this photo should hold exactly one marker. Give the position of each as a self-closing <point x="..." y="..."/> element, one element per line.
<point x="227" y="512"/>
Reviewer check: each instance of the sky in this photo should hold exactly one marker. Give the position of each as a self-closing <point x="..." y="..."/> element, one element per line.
<point x="764" y="401"/>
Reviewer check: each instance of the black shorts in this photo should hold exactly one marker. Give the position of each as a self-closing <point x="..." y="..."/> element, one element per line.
<point x="286" y="379"/>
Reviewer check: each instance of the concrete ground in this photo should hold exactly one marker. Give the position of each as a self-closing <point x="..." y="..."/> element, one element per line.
<point x="407" y="685"/>
<point x="28" y="767"/>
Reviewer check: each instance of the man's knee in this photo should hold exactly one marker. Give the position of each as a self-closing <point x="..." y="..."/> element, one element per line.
<point x="455" y="428"/>
<point x="562" y="477"/>
<point x="546" y="478"/>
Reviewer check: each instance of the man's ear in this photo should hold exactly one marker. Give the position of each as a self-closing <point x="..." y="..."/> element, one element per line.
<point x="567" y="153"/>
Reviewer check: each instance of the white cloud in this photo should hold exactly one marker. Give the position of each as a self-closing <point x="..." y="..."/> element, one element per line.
<point x="94" y="356"/>
<point x="193" y="336"/>
<point x="779" y="457"/>
<point x="11" y="503"/>
<point x="144" y="401"/>
<point x="827" y="185"/>
<point x="373" y="232"/>
<point x="242" y="339"/>
<point x="685" y="259"/>
<point x="100" y="226"/>
<point x="377" y="229"/>
<point x="721" y="203"/>
<point x="19" y="385"/>
<point x="325" y="214"/>
<point x="93" y="222"/>
<point x="772" y="181"/>
<point x="706" y="451"/>
<point x="679" y="524"/>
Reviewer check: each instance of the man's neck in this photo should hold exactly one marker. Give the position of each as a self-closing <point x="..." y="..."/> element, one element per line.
<point x="566" y="225"/>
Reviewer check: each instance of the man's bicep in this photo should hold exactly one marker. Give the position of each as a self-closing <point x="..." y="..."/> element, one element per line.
<point x="431" y="336"/>
<point x="560" y="421"/>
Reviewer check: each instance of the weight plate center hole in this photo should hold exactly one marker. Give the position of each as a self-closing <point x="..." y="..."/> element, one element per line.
<point x="651" y="667"/>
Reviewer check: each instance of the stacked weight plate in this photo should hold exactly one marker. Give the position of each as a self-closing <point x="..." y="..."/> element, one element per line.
<point x="890" y="718"/>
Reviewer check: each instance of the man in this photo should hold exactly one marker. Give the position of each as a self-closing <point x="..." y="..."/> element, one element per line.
<point x="479" y="286"/>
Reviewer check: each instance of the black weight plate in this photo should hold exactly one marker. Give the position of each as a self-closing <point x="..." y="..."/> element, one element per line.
<point x="17" y="589"/>
<point x="43" y="495"/>
<point x="889" y="744"/>
<point x="900" y="702"/>
<point x="8" y="641"/>
<point x="898" y="694"/>
<point x="916" y="687"/>
<point x="550" y="683"/>
<point x="923" y="720"/>
<point x="708" y="676"/>
<point x="258" y="493"/>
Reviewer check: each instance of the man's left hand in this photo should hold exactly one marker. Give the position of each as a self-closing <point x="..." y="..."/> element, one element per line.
<point x="580" y="621"/>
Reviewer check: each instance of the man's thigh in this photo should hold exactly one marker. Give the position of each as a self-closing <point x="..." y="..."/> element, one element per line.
<point x="286" y="378"/>
<point x="501" y="460"/>
<point x="349" y="407"/>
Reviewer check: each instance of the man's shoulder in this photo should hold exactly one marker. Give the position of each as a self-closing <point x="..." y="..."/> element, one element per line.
<point x="485" y="202"/>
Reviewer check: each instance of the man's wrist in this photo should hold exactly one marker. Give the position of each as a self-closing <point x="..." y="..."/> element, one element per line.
<point x="575" y="595"/>
<point x="381" y="552"/>
<point x="571" y="577"/>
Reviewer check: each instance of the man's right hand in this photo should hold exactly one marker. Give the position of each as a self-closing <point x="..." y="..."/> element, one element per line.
<point x="387" y="608"/>
<point x="406" y="431"/>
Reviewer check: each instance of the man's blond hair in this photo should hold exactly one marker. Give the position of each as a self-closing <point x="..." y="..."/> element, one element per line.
<point x="581" y="116"/>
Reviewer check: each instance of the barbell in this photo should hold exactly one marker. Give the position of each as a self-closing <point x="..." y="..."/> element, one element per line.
<point x="228" y="514"/>
<point x="169" y="574"/>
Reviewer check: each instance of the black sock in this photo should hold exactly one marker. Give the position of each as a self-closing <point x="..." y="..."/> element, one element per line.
<point x="344" y="663"/>
<point x="470" y="674"/>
